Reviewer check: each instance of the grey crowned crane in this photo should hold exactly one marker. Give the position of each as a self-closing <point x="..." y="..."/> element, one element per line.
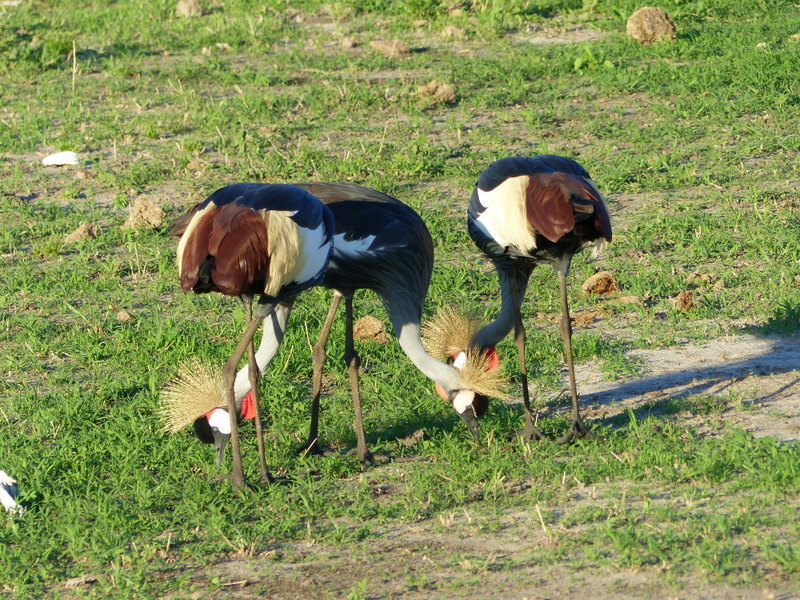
<point x="247" y="240"/>
<point x="9" y="493"/>
<point x="529" y="211"/>
<point x="383" y="245"/>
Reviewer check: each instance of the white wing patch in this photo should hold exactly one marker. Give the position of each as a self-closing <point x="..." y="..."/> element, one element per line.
<point x="313" y="252"/>
<point x="505" y="219"/>
<point x="351" y="248"/>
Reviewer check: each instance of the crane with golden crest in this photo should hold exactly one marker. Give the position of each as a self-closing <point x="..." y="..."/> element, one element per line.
<point x="379" y="244"/>
<point x="529" y="211"/>
<point x="245" y="240"/>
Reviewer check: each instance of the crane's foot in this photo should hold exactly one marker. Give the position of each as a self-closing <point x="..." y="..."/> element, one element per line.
<point x="369" y="458"/>
<point x="577" y="431"/>
<point x="242" y="485"/>
<point x="363" y="455"/>
<point x="529" y="433"/>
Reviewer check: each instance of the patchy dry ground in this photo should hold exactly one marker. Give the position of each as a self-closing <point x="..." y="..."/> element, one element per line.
<point x="464" y="554"/>
<point x="748" y="381"/>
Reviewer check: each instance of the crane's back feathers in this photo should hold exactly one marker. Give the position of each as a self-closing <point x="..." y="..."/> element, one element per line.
<point x="252" y="238"/>
<point x="380" y="244"/>
<point x="521" y="204"/>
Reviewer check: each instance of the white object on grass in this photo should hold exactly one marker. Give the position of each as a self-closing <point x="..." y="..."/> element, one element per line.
<point x="61" y="158"/>
<point x="8" y="493"/>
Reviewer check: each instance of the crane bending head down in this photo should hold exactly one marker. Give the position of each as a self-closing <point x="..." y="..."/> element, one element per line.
<point x="380" y="244"/>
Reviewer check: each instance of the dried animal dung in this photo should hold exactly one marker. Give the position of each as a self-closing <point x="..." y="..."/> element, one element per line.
<point x="651" y="24"/>
<point x="80" y="581"/>
<point x="188" y="8"/>
<point x="124" y="316"/>
<point x="601" y="283"/>
<point x="370" y="328"/>
<point x="585" y="318"/>
<point x="441" y="92"/>
<point x="684" y="301"/>
<point x="144" y="212"/>
<point x="390" y="48"/>
<point x="85" y="231"/>
<point x="411" y="439"/>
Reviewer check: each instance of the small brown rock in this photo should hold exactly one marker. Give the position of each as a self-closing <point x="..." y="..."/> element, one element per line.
<point x="390" y="48"/>
<point x="684" y="301"/>
<point x="601" y="283"/>
<point x="370" y="328"/>
<point x="144" y="212"/>
<point x="85" y="231"/>
<point x="188" y="8"/>
<point x="651" y="24"/>
<point x="348" y="43"/>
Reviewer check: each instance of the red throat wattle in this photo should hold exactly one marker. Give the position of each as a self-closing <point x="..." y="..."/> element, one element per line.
<point x="248" y="406"/>
<point x="248" y="409"/>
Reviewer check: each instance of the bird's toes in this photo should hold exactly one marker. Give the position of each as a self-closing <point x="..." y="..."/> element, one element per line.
<point x="577" y="431"/>
<point x="529" y="434"/>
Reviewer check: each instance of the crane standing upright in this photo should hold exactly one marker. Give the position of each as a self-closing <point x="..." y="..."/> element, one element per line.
<point x="248" y="239"/>
<point x="529" y="211"/>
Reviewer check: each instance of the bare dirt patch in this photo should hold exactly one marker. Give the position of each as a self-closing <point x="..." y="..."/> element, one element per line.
<point x="510" y="554"/>
<point x="757" y="379"/>
<point x="457" y="557"/>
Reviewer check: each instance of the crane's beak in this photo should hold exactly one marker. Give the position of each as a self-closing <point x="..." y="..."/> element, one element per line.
<point x="468" y="416"/>
<point x="220" y="443"/>
<point x="463" y="403"/>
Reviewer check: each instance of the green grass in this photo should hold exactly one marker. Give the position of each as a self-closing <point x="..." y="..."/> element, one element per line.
<point x="693" y="141"/>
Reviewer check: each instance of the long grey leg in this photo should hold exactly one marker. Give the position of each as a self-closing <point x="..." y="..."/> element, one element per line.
<point x="319" y="356"/>
<point x="577" y="428"/>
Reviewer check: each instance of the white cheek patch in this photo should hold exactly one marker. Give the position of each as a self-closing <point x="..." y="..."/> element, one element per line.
<point x="220" y="420"/>
<point x="463" y="401"/>
<point x="460" y="360"/>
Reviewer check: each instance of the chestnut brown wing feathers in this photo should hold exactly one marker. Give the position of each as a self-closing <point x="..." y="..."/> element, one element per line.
<point x="553" y="199"/>
<point x="239" y="242"/>
<point x="195" y="249"/>
<point x="226" y="251"/>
